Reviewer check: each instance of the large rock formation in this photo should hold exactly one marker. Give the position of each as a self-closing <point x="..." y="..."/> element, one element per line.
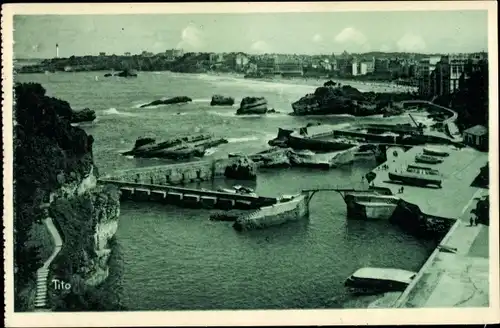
<point x="252" y="105"/>
<point x="331" y="99"/>
<point x="218" y="100"/>
<point x="241" y="168"/>
<point x="174" y="100"/>
<point x="177" y="148"/>
<point x="84" y="115"/>
<point x="59" y="107"/>
<point x="54" y="169"/>
<point x="271" y="158"/>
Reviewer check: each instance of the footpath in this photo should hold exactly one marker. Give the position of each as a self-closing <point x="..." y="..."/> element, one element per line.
<point x="43" y="273"/>
<point x="457" y="272"/>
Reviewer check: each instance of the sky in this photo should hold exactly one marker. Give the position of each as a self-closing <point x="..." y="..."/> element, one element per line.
<point x="301" y="33"/>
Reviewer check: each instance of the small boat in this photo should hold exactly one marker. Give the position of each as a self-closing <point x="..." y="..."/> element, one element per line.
<point x="422" y="170"/>
<point x="238" y="190"/>
<point x="435" y="152"/>
<point x="244" y="190"/>
<point x="226" y="190"/>
<point x="421" y="158"/>
<point x="417" y="179"/>
<point x="234" y="154"/>
<point x="371" y="280"/>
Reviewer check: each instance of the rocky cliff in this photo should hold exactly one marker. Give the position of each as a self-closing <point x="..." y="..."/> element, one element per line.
<point x="54" y="169"/>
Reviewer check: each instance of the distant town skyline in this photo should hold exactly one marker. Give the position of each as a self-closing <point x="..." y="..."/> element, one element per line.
<point x="301" y="33"/>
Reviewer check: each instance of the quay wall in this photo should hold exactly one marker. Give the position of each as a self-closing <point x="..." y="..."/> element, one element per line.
<point x="403" y="298"/>
<point x="274" y="215"/>
<point x="173" y="174"/>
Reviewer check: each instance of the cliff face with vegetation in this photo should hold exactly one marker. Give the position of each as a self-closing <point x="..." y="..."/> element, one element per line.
<point x="53" y="166"/>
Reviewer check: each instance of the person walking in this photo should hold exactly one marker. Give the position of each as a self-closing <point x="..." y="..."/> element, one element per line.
<point x="471" y="221"/>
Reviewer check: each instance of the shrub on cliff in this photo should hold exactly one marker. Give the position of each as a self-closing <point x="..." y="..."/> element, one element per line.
<point x="48" y="152"/>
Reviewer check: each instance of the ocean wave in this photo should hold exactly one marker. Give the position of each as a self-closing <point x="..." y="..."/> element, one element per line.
<point x="114" y="111"/>
<point x="210" y="151"/>
<point x="232" y="113"/>
<point x="242" y="139"/>
<point x="202" y="100"/>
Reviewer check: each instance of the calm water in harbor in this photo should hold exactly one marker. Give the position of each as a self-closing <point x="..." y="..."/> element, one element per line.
<point x="178" y="259"/>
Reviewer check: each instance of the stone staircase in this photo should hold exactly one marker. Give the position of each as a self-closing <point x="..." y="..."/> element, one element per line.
<point x="41" y="288"/>
<point x="42" y="275"/>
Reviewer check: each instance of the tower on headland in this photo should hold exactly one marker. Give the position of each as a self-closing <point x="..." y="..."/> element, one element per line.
<point x="57" y="50"/>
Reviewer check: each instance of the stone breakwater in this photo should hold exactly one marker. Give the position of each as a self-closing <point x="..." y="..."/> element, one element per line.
<point x="174" y="174"/>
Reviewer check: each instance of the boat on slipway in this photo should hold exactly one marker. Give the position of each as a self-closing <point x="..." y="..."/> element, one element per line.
<point x="435" y="152"/>
<point x="427" y="159"/>
<point x="371" y="280"/>
<point x="417" y="175"/>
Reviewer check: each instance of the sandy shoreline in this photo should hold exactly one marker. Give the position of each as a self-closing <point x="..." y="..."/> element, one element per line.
<point x="362" y="85"/>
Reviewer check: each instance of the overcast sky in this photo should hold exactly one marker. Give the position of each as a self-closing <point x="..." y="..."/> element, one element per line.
<point x="306" y="33"/>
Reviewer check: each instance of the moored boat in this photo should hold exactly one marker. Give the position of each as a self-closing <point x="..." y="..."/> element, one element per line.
<point x="372" y="280"/>
<point x="417" y="179"/>
<point x="435" y="152"/>
<point x="427" y="159"/>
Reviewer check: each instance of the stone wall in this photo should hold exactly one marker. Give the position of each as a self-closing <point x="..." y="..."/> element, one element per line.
<point x="277" y="214"/>
<point x="173" y="174"/>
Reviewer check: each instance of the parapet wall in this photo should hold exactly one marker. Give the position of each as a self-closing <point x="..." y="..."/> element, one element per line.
<point x="173" y="174"/>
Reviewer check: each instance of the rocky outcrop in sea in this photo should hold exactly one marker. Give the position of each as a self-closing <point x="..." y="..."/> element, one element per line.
<point x="241" y="168"/>
<point x="56" y="177"/>
<point x="272" y="158"/>
<point x="174" y="100"/>
<point x="84" y="115"/>
<point x="333" y="99"/>
<point x="252" y="105"/>
<point x="218" y="100"/>
<point x="176" y="148"/>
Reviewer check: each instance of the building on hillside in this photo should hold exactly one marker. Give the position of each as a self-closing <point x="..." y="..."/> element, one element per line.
<point x="344" y="65"/>
<point x="477" y="137"/>
<point x="425" y="70"/>
<point x="289" y="67"/>
<point x="241" y="60"/>
<point x="172" y="54"/>
<point x="326" y="65"/>
<point x="381" y="66"/>
<point x="354" y="68"/>
<point x="457" y="65"/>
<point x="367" y="66"/>
<point x="267" y="65"/>
<point x="215" y="58"/>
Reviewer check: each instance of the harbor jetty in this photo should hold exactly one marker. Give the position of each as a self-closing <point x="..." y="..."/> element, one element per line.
<point x="463" y="250"/>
